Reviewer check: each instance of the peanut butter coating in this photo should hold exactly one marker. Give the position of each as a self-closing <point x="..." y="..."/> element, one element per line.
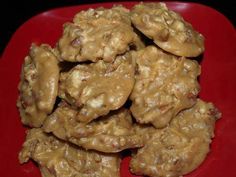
<point x="117" y="80"/>
<point x="59" y="159"/>
<point x="97" y="34"/>
<point x="97" y="88"/>
<point x="165" y="85"/>
<point x="168" y="29"/>
<point x="112" y="133"/>
<point x="38" y="86"/>
<point x="179" y="148"/>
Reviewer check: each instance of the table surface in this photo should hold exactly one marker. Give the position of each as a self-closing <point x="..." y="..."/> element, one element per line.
<point x="17" y="12"/>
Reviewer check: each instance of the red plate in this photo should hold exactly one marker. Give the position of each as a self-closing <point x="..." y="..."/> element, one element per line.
<point x="218" y="84"/>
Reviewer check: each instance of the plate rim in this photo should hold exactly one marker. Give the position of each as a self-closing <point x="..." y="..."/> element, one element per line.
<point x="51" y="10"/>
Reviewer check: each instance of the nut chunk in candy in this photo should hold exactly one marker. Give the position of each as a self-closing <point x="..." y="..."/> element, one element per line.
<point x="168" y="29"/>
<point x="38" y="86"/>
<point x="111" y="133"/>
<point x="97" y="34"/>
<point x="179" y="148"/>
<point x="164" y="86"/>
<point x="59" y="159"/>
<point x="97" y="88"/>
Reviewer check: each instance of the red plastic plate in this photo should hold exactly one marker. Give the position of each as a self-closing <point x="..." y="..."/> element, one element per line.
<point x="218" y="84"/>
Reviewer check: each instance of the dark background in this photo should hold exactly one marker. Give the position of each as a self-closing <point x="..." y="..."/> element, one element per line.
<point x="15" y="13"/>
